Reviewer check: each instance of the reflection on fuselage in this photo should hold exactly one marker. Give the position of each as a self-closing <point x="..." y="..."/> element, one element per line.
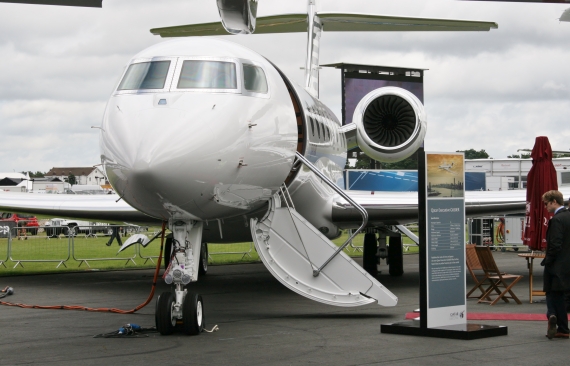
<point x="189" y="117"/>
<point x="206" y="129"/>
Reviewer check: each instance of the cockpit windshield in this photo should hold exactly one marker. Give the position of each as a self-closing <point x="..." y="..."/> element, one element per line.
<point x="196" y="74"/>
<point x="145" y="75"/>
<point x="254" y="79"/>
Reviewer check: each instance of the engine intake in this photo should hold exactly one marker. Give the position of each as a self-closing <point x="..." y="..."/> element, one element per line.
<point x="390" y="124"/>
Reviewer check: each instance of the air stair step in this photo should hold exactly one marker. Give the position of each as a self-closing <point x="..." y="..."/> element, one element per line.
<point x="291" y="248"/>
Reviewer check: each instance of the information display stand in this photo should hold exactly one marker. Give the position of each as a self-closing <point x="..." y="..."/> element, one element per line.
<point x="441" y="209"/>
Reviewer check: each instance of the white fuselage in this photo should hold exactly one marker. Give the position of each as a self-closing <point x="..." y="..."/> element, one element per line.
<point x="180" y="144"/>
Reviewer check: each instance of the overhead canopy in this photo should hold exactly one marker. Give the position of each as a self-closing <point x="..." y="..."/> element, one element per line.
<point x="83" y="3"/>
<point x="335" y="22"/>
<point x="565" y="17"/>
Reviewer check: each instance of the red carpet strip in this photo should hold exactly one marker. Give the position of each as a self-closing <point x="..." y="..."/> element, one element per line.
<point x="495" y="316"/>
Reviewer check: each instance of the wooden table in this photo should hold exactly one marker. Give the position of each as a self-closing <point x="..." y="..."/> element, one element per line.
<point x="529" y="262"/>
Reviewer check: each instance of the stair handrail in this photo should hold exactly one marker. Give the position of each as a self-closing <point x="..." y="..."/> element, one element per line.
<point x="338" y="190"/>
<point x="286" y="196"/>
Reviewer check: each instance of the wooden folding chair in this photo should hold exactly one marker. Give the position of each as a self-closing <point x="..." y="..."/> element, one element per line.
<point x="473" y="265"/>
<point x="495" y="279"/>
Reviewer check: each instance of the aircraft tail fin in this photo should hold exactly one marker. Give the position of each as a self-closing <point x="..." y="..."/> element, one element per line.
<point x="314" y="29"/>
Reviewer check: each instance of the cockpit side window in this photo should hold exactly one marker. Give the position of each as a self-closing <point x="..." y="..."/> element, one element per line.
<point x="254" y="79"/>
<point x="145" y="75"/>
<point x="197" y="74"/>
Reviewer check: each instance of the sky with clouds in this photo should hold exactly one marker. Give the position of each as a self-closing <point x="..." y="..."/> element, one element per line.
<point x="494" y="90"/>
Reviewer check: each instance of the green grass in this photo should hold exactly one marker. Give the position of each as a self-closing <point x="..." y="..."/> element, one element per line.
<point x="86" y="253"/>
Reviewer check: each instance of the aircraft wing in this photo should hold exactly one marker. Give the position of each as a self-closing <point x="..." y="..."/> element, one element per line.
<point x="102" y="207"/>
<point x="393" y="208"/>
<point x="336" y="22"/>
<point x="390" y="208"/>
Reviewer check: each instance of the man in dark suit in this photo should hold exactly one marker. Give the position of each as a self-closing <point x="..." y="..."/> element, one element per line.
<point x="557" y="265"/>
<point x="567" y="294"/>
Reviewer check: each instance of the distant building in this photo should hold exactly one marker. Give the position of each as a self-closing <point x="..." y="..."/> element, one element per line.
<point x="15" y="182"/>
<point x="13" y="185"/>
<point x="49" y="185"/>
<point x="516" y="169"/>
<point x="83" y="175"/>
<point x="14" y="175"/>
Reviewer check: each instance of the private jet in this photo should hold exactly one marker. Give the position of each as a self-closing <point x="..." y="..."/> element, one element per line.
<point x="214" y="139"/>
<point x="446" y="167"/>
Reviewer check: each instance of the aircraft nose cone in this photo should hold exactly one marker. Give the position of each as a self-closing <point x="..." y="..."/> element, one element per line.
<point x="183" y="152"/>
<point x="140" y="166"/>
<point x="139" y="139"/>
<point x="162" y="155"/>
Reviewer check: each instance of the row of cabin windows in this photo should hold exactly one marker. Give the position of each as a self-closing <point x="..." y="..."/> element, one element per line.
<point x="322" y="130"/>
<point x="195" y="74"/>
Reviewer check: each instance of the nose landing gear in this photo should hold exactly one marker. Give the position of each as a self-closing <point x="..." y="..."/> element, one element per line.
<point x="181" y="308"/>
<point x="164" y="320"/>
<point x="193" y="314"/>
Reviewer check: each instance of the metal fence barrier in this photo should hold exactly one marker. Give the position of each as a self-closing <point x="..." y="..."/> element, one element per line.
<point x="82" y="251"/>
<point x="62" y="245"/>
<point x="4" y="253"/>
<point x="360" y="248"/>
<point x="86" y="245"/>
<point x="141" y="252"/>
<point x="244" y="249"/>
<point x="24" y="248"/>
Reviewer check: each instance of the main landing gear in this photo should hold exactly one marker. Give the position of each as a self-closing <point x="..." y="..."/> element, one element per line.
<point x="376" y="247"/>
<point x="181" y="309"/>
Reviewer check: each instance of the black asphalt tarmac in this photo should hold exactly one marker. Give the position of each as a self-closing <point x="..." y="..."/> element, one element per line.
<point x="260" y="323"/>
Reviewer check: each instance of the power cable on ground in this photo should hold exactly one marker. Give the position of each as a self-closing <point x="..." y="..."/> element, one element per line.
<point x="9" y="291"/>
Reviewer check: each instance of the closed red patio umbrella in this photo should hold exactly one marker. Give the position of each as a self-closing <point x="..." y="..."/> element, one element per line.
<point x="541" y="178"/>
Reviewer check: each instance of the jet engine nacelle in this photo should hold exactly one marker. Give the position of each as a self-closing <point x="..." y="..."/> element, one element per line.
<point x="390" y="124"/>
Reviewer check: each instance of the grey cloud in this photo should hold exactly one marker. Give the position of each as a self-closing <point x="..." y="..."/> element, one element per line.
<point x="493" y="90"/>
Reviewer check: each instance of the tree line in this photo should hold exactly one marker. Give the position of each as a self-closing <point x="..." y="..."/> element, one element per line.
<point x="71" y="178"/>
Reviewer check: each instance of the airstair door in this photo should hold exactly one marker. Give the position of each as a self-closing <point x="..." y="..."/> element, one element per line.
<point x="291" y="248"/>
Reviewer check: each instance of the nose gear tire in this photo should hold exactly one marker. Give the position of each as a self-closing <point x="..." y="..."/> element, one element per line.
<point x="163" y="314"/>
<point x="193" y="314"/>
<point x="203" y="267"/>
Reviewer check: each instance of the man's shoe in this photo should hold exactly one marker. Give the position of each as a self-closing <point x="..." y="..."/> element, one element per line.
<point x="562" y="335"/>
<point x="551" y="332"/>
